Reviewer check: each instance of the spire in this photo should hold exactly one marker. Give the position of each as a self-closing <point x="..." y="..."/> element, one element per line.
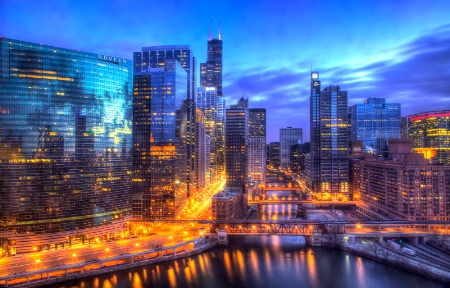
<point x="210" y="31"/>
<point x="220" y="34"/>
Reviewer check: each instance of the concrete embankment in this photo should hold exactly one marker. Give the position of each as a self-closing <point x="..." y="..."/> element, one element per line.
<point x="110" y="269"/>
<point x="399" y="261"/>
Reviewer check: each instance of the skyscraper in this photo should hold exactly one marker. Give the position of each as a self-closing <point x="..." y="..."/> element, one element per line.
<point x="288" y="136"/>
<point x="257" y="123"/>
<point x="374" y="122"/>
<point x="154" y="57"/>
<point x="211" y="71"/>
<point x="236" y="144"/>
<point x="430" y="132"/>
<point x="328" y="167"/>
<point x="257" y="145"/>
<point x="160" y="167"/>
<point x="65" y="130"/>
<point x="207" y="102"/>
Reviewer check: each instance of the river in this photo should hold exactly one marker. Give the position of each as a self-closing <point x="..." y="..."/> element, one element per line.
<point x="260" y="261"/>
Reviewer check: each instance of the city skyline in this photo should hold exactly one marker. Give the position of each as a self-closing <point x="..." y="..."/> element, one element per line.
<point x="378" y="49"/>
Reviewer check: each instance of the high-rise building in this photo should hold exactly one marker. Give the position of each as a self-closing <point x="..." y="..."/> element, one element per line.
<point x="154" y="57"/>
<point x="374" y="122"/>
<point x="236" y="144"/>
<point x="160" y="185"/>
<point x="405" y="186"/>
<point x="257" y="123"/>
<point x="273" y="154"/>
<point x="65" y="139"/>
<point x="202" y="159"/>
<point x="328" y="167"/>
<point x="211" y="71"/>
<point x="257" y="145"/>
<point x="288" y="136"/>
<point x="430" y="133"/>
<point x="208" y="103"/>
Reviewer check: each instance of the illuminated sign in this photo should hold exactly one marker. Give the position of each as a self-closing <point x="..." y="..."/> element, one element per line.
<point x="316" y="83"/>
<point x="111" y="59"/>
<point x="315" y="75"/>
<point x="210" y="88"/>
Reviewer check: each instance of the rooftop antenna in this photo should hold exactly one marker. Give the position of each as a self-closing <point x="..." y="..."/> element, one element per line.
<point x="210" y="31"/>
<point x="220" y="34"/>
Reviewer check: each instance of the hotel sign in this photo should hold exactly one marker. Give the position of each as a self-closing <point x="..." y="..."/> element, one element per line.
<point x="112" y="59"/>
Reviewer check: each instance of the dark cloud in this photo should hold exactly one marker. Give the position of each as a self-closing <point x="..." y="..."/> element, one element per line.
<point x="418" y="77"/>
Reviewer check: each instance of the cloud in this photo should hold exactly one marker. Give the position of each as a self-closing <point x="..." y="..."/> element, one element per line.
<point x="417" y="76"/>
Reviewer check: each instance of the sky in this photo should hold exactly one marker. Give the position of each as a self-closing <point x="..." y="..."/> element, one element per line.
<point x="398" y="50"/>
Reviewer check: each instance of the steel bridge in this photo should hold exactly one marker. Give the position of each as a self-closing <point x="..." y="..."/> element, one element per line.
<point x="296" y="201"/>
<point x="391" y="228"/>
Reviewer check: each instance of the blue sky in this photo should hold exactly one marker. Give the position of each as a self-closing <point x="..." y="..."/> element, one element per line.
<point x="372" y="48"/>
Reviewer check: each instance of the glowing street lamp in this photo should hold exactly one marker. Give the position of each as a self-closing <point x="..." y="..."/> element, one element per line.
<point x="107" y="251"/>
<point x="37" y="262"/>
<point x="35" y="249"/>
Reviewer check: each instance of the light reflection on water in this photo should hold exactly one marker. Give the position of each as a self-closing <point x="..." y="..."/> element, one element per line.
<point x="260" y="261"/>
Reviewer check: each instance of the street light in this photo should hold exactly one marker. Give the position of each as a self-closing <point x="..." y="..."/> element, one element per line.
<point x="73" y="256"/>
<point x="37" y="262"/>
<point x="107" y="251"/>
<point x="35" y="249"/>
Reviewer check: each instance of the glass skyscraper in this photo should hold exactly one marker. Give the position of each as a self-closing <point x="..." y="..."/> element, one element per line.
<point x="236" y="144"/>
<point x="430" y="132"/>
<point x="65" y="138"/>
<point x="374" y="122"/>
<point x="160" y="142"/>
<point x="211" y="71"/>
<point x="257" y="144"/>
<point x="288" y="137"/>
<point x="328" y="168"/>
<point x="155" y="57"/>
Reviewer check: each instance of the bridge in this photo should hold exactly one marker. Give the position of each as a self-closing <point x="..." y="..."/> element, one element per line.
<point x="390" y="228"/>
<point x="296" y="201"/>
<point x="276" y="188"/>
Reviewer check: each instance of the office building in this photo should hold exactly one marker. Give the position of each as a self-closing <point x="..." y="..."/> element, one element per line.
<point x="374" y="122"/>
<point x="160" y="169"/>
<point x="328" y="168"/>
<point x="202" y="158"/>
<point x="273" y="155"/>
<point x="257" y="123"/>
<point x="211" y="71"/>
<point x="257" y="145"/>
<point x="211" y="106"/>
<point x="227" y="204"/>
<point x="288" y="136"/>
<point x="155" y="57"/>
<point x="406" y="186"/>
<point x="65" y="139"/>
<point x="429" y="131"/>
<point x="236" y="144"/>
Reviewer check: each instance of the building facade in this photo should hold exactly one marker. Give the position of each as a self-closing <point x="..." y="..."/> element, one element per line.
<point x="212" y="107"/>
<point x="211" y="71"/>
<point x="227" y="205"/>
<point x="406" y="186"/>
<point x="273" y="155"/>
<point x="288" y="136"/>
<point x="374" y="122"/>
<point x="160" y="141"/>
<point x="236" y="144"/>
<point x="430" y="132"/>
<point x="65" y="138"/>
<point x="257" y="145"/>
<point x="328" y="171"/>
<point x="154" y="57"/>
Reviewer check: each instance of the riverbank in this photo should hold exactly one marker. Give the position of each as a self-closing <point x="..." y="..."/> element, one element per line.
<point x="204" y="246"/>
<point x="391" y="258"/>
